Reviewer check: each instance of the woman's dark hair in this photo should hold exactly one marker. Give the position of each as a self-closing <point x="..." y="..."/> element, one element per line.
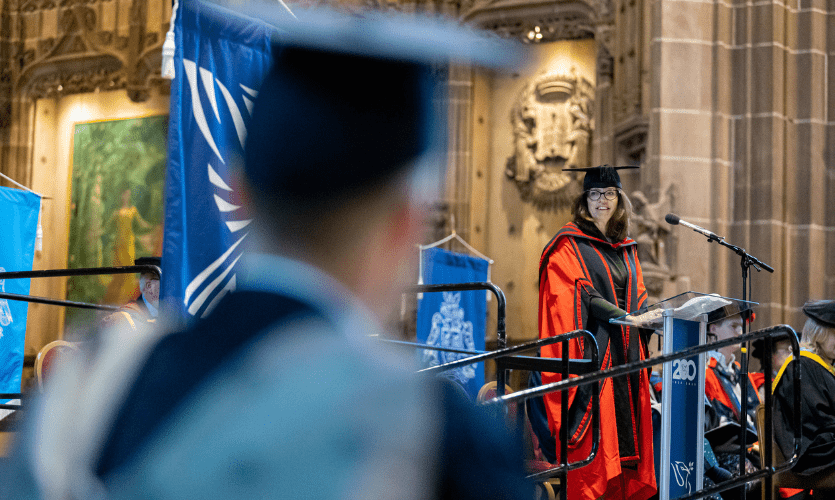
<point x="617" y="229"/>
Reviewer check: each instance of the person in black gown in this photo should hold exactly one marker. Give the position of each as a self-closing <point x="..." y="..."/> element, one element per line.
<point x="817" y="399"/>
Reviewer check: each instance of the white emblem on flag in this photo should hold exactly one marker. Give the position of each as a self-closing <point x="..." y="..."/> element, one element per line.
<point x="5" y="311"/>
<point x="449" y="330"/>
<point x="217" y="279"/>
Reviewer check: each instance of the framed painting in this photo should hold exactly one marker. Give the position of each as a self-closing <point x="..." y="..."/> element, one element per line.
<point x="116" y="205"/>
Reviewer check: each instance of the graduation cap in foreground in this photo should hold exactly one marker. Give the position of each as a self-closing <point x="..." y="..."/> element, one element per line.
<point x="600" y="177"/>
<point x="352" y="99"/>
<point x="822" y="311"/>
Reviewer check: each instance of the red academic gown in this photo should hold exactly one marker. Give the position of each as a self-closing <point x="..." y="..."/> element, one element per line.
<point x="577" y="291"/>
<point x="720" y="391"/>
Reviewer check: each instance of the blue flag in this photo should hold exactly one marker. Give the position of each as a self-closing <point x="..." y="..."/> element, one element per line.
<point x="220" y="61"/>
<point x="453" y="319"/>
<point x="18" y="230"/>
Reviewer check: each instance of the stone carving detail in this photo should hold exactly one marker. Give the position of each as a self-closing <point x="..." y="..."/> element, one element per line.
<point x="651" y="232"/>
<point x="40" y="5"/>
<point x="554" y="27"/>
<point x="563" y="20"/>
<point x="82" y="57"/>
<point x="45" y="45"/>
<point x="76" y="19"/>
<point x="605" y="64"/>
<point x="631" y="140"/>
<point x="105" y="38"/>
<point x="552" y="128"/>
<point x="26" y="58"/>
<point x="74" y="82"/>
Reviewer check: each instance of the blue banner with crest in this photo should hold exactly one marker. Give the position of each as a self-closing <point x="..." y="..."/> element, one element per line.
<point x="18" y="231"/>
<point x="453" y="319"/>
<point x="220" y="61"/>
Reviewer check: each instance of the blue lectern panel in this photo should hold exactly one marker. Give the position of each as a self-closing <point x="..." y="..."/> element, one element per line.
<point x="685" y="406"/>
<point x="682" y="412"/>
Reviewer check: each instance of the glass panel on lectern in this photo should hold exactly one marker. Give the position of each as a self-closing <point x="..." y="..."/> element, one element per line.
<point x="687" y="306"/>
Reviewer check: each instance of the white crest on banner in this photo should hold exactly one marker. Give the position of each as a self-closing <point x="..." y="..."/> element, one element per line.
<point x="5" y="311"/>
<point x="202" y="289"/>
<point x="449" y="330"/>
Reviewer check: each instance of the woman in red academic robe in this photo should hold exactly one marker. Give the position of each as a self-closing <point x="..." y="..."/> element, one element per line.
<point x="589" y="273"/>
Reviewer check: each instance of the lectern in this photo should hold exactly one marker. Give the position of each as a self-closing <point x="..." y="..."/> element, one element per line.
<point x="682" y="321"/>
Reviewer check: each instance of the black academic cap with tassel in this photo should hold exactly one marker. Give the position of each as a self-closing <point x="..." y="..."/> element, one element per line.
<point x="603" y="176"/>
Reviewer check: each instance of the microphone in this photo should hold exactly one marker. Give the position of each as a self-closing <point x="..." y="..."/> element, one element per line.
<point x="675" y="219"/>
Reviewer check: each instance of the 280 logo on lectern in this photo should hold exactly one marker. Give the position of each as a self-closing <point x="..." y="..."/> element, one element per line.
<point x="684" y="369"/>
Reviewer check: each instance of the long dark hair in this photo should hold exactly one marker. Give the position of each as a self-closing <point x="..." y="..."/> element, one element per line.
<point x="617" y="229"/>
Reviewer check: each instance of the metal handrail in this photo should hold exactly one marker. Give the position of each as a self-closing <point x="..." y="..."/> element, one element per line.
<point x="57" y="302"/>
<point x="12" y="395"/>
<point x="501" y="306"/>
<point x="563" y="365"/>
<point x="564" y="467"/>
<point x="81" y="271"/>
<point x="501" y="303"/>
<point x="576" y="366"/>
<point x="61" y="273"/>
<point x="566" y="383"/>
<point x="775" y="331"/>
<point x="502" y="353"/>
<point x="557" y="365"/>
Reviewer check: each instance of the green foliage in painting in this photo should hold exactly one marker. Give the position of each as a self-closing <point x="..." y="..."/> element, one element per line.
<point x="116" y="209"/>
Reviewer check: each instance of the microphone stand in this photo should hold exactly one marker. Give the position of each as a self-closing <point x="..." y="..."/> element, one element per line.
<point x="748" y="261"/>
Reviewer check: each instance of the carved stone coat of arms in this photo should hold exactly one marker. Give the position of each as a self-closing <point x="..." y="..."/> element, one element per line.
<point x="552" y="127"/>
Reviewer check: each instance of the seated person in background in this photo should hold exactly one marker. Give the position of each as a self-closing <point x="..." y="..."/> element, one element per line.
<point x="723" y="391"/>
<point x="723" y="374"/>
<point x="817" y="401"/>
<point x="780" y="350"/>
<point x="148" y="301"/>
<point x="145" y="308"/>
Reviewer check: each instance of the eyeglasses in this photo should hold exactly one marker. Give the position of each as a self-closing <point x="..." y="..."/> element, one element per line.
<point x="610" y="194"/>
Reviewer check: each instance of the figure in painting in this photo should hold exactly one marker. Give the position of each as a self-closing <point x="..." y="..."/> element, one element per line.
<point x="123" y="222"/>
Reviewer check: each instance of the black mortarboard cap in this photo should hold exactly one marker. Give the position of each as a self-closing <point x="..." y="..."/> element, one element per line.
<point x="727" y="311"/>
<point x="603" y="176"/>
<point x="350" y="99"/>
<point x="735" y="308"/>
<point x="822" y="311"/>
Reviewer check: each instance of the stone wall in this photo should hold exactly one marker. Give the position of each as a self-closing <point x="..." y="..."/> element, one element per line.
<point x="740" y="124"/>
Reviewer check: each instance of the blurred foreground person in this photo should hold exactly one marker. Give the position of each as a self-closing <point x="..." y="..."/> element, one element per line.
<point x="280" y="392"/>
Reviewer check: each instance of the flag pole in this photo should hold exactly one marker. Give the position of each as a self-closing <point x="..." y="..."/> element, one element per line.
<point x="286" y="7"/>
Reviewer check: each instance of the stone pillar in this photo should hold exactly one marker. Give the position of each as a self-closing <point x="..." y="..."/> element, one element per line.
<point x="16" y="146"/>
<point x="685" y="143"/>
<point x="808" y="211"/>
<point x="603" y="141"/>
<point x="740" y="125"/>
<point x="780" y="110"/>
